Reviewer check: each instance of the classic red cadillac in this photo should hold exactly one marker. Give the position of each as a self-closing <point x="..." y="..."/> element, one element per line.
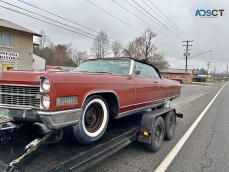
<point x="84" y="99"/>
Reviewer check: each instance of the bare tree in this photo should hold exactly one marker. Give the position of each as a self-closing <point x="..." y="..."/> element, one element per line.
<point x="159" y="61"/>
<point x="143" y="48"/>
<point x="116" y="48"/>
<point x="80" y="56"/>
<point x="134" y="49"/>
<point x="147" y="45"/>
<point x="42" y="39"/>
<point x="100" y="46"/>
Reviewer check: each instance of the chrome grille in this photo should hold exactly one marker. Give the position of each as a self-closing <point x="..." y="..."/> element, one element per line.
<point x="19" y="95"/>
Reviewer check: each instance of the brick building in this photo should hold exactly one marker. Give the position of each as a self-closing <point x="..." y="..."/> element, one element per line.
<point x="171" y="73"/>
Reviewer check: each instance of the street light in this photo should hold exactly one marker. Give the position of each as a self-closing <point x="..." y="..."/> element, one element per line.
<point x="209" y="51"/>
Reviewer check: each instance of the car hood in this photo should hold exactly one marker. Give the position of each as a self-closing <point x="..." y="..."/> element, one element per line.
<point x="21" y="77"/>
<point x="33" y="77"/>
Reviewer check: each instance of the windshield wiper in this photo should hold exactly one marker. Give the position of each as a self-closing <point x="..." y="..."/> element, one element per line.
<point x="104" y="72"/>
<point x="82" y="71"/>
<point x="93" y="72"/>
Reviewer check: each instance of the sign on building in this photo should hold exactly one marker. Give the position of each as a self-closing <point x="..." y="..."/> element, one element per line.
<point x="11" y="56"/>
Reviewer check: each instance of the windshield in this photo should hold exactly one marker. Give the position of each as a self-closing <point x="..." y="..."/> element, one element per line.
<point x="105" y="66"/>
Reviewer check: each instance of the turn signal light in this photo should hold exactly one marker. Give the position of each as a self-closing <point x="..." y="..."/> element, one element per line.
<point x="146" y="133"/>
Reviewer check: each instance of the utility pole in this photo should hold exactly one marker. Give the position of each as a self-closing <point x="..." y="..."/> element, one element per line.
<point x="227" y="72"/>
<point x="208" y="64"/>
<point x="186" y="54"/>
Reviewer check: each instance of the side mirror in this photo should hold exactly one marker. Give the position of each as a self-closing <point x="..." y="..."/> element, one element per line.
<point x="137" y="71"/>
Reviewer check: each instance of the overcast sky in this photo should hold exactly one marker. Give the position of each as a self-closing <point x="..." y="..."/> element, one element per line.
<point x="206" y="33"/>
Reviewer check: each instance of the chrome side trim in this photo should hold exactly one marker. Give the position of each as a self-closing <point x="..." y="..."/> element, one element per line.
<point x="150" y="101"/>
<point x="101" y="91"/>
<point x="49" y="113"/>
<point x="137" y="110"/>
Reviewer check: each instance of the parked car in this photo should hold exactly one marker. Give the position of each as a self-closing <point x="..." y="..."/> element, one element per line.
<point x="180" y="80"/>
<point x="84" y="99"/>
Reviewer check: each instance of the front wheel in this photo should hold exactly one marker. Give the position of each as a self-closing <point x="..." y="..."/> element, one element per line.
<point x="93" y="121"/>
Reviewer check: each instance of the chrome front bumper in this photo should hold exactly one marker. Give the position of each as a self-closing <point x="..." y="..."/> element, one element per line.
<point x="59" y="119"/>
<point x="53" y="120"/>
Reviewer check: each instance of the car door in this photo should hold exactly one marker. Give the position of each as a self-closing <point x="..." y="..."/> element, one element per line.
<point x="146" y="86"/>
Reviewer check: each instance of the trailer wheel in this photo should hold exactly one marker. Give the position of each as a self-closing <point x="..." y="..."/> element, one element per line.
<point x="170" y="125"/>
<point x="93" y="121"/>
<point x="157" y="135"/>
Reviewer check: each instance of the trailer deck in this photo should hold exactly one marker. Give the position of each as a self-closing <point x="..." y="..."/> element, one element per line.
<point x="67" y="155"/>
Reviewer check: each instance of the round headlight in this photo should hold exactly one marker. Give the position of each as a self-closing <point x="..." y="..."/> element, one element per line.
<point x="45" y="101"/>
<point x="45" y="85"/>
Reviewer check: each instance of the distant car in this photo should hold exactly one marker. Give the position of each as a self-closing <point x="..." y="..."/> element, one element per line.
<point x="84" y="99"/>
<point x="180" y="80"/>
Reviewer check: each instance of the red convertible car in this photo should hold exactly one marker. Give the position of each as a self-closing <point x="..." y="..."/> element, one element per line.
<point x="84" y="99"/>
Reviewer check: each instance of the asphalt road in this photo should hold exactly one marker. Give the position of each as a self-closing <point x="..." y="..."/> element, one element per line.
<point x="207" y="149"/>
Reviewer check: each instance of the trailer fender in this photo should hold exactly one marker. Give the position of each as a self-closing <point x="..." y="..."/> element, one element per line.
<point x="146" y="128"/>
<point x="148" y="120"/>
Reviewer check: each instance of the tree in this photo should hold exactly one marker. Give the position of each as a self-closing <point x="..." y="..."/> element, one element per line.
<point x="43" y="39"/>
<point x="79" y="57"/>
<point x="148" y="47"/>
<point x="116" y="48"/>
<point x="201" y="71"/>
<point x="60" y="53"/>
<point x="159" y="61"/>
<point x="143" y="48"/>
<point x="133" y="49"/>
<point x="100" y="46"/>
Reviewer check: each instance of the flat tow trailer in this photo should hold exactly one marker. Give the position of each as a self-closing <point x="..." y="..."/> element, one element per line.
<point x="69" y="156"/>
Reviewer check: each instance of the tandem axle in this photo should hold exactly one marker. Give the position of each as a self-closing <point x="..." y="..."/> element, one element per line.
<point x="151" y="129"/>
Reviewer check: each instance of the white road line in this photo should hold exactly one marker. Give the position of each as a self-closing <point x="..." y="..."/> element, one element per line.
<point x="169" y="158"/>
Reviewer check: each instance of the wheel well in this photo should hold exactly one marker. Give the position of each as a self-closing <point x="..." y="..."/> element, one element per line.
<point x="112" y="102"/>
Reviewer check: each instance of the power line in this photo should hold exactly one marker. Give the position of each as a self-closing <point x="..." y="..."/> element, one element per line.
<point x="157" y="20"/>
<point x="143" y="13"/>
<point x="66" y="19"/>
<point x="84" y="32"/>
<point x="49" y="23"/>
<point x="113" y="16"/>
<point x="167" y="46"/>
<point x="47" y="18"/>
<point x="142" y="20"/>
<point x="167" y="18"/>
<point x="43" y="21"/>
<point x="91" y="35"/>
<point x="163" y="18"/>
<point x="172" y="23"/>
<point x="191" y="57"/>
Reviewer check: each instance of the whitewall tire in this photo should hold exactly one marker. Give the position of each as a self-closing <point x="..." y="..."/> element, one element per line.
<point x="93" y="121"/>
